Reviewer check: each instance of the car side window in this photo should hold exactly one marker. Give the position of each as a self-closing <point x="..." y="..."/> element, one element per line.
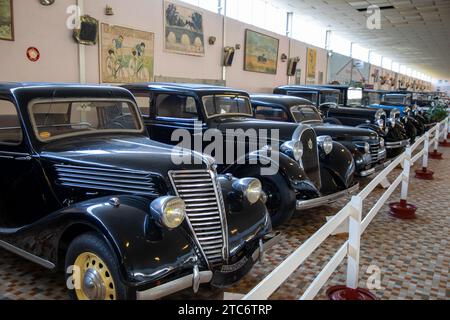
<point x="144" y="101"/>
<point x="271" y="113"/>
<point x="176" y="106"/>
<point x="10" y="129"/>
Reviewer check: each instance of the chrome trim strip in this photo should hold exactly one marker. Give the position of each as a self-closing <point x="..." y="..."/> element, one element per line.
<point x="175" y="286"/>
<point x="366" y="173"/>
<point x="24" y="254"/>
<point x="308" y="204"/>
<point x="398" y="144"/>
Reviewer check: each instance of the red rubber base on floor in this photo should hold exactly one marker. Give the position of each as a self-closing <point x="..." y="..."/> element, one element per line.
<point x="403" y="210"/>
<point x="345" y="293"/>
<point x="435" y="155"/>
<point x="424" y="174"/>
<point x="445" y="144"/>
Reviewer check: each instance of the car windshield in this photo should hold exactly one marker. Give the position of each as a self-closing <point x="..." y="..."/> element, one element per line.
<point x="396" y="99"/>
<point x="371" y="98"/>
<point x="354" y="96"/>
<point x="305" y="113"/>
<point x="57" y="119"/>
<point x="218" y="105"/>
<point x="311" y="96"/>
<point x="329" y="98"/>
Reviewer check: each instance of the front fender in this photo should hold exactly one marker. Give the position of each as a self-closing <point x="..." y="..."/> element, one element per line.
<point x="294" y="174"/>
<point x="146" y="251"/>
<point x="362" y="160"/>
<point x="337" y="169"/>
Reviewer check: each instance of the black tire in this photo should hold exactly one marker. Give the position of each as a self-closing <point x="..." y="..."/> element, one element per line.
<point x="281" y="201"/>
<point x="332" y="121"/>
<point x="93" y="243"/>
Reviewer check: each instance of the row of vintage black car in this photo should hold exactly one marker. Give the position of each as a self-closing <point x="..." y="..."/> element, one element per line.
<point x="89" y="183"/>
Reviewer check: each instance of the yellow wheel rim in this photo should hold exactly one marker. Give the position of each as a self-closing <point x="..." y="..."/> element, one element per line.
<point x="92" y="278"/>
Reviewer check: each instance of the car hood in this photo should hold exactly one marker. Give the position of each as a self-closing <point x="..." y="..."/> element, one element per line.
<point x="343" y="132"/>
<point x="286" y="130"/>
<point x="119" y="152"/>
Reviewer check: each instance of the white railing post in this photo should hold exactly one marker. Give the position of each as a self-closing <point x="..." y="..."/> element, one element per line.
<point x="354" y="242"/>
<point x="426" y="147"/>
<point x="405" y="176"/>
<point x="436" y="136"/>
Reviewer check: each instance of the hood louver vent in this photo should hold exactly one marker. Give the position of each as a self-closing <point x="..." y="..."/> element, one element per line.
<point x="113" y="180"/>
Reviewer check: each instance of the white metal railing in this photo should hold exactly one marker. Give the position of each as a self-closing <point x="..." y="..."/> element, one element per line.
<point x="353" y="212"/>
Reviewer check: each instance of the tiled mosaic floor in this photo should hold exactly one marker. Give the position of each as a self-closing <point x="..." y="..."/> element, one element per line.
<point x="413" y="256"/>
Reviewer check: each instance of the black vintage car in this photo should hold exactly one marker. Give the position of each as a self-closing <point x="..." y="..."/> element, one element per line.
<point x="309" y="170"/>
<point x="413" y="124"/>
<point x="342" y="107"/>
<point x="84" y="188"/>
<point x="366" y="146"/>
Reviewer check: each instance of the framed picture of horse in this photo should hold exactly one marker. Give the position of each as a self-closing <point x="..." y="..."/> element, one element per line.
<point x="261" y="52"/>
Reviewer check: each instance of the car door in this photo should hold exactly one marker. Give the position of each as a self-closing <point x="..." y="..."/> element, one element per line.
<point x="171" y="112"/>
<point x="24" y="193"/>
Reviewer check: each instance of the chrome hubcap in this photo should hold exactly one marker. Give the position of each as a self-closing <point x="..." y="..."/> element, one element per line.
<point x="93" y="285"/>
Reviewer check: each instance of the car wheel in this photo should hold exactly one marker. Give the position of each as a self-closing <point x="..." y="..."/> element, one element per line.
<point x="281" y="200"/>
<point x="332" y="121"/>
<point x="94" y="271"/>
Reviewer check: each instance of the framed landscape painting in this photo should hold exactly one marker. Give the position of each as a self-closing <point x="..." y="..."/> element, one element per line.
<point x="183" y="30"/>
<point x="6" y="20"/>
<point x="261" y="52"/>
<point x="126" y="55"/>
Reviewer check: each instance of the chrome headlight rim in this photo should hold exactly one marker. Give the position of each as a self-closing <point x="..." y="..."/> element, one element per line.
<point x="382" y="143"/>
<point x="325" y="143"/>
<point x="251" y="188"/>
<point x="170" y="211"/>
<point x="363" y="146"/>
<point x="294" y="147"/>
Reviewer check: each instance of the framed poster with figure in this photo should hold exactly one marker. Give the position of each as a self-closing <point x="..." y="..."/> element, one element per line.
<point x="261" y="52"/>
<point x="6" y="20"/>
<point x="183" y="28"/>
<point x="126" y="55"/>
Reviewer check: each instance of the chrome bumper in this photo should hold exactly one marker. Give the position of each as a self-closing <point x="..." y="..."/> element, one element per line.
<point x="199" y="277"/>
<point x="397" y="144"/>
<point x="308" y="204"/>
<point x="377" y="168"/>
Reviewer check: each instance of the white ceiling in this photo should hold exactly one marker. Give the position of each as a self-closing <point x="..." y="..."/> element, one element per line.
<point x="415" y="33"/>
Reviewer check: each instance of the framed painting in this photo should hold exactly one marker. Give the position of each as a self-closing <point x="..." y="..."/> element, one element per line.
<point x="311" y="65"/>
<point x="261" y="52"/>
<point x="183" y="29"/>
<point x="126" y="55"/>
<point x="6" y="20"/>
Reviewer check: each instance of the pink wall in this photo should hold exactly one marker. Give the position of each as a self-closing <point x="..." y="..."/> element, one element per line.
<point x="43" y="28"/>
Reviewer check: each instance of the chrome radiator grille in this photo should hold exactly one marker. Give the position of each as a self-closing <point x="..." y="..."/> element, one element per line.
<point x="310" y="157"/>
<point x="112" y="180"/>
<point x="199" y="190"/>
<point x="374" y="149"/>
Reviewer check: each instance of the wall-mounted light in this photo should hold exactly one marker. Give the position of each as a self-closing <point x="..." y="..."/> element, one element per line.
<point x="109" y="10"/>
<point x="237" y="46"/>
<point x="212" y="40"/>
<point x="284" y="57"/>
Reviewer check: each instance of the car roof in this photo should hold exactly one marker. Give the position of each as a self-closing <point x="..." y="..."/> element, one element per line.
<point x="308" y="88"/>
<point x="27" y="91"/>
<point x="279" y="99"/>
<point x="198" y="88"/>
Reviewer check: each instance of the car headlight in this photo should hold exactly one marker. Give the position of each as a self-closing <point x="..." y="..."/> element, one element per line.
<point x="364" y="146"/>
<point x="382" y="143"/>
<point x="392" y="122"/>
<point x="380" y="123"/>
<point x="251" y="188"/>
<point x="294" y="147"/>
<point x="326" y="143"/>
<point x="170" y="211"/>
